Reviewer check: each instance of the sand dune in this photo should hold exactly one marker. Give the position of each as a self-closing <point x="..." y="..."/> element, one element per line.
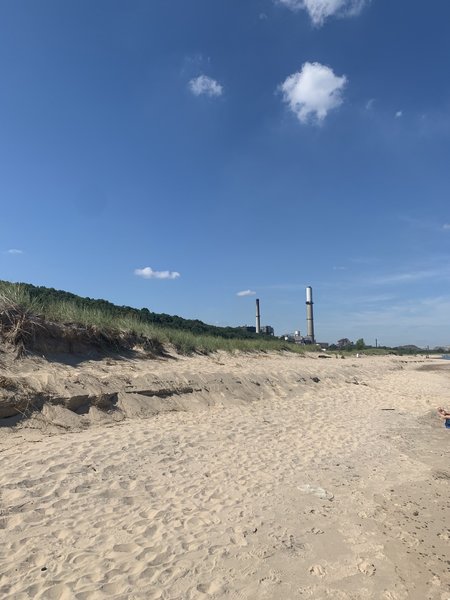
<point x="250" y="477"/>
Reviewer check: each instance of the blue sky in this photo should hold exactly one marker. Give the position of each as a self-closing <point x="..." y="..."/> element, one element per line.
<point x="173" y="154"/>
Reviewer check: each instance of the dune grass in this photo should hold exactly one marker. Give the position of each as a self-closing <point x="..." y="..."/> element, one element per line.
<point x="17" y="307"/>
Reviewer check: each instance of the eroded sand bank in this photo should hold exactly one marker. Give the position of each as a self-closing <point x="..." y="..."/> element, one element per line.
<point x="276" y="486"/>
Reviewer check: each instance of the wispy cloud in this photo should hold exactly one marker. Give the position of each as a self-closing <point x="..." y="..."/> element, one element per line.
<point x="195" y="62"/>
<point x="206" y="86"/>
<point x="284" y="287"/>
<point x="14" y="251"/>
<point x="424" y="222"/>
<point x="370" y="103"/>
<point x="368" y="275"/>
<point x="320" y="10"/>
<point x="435" y="123"/>
<point x="371" y="299"/>
<point x="246" y="293"/>
<point x="405" y="277"/>
<point x="399" y="114"/>
<point x="365" y="260"/>
<point x="313" y="91"/>
<point x="392" y="320"/>
<point x="149" y="273"/>
<point x="421" y="313"/>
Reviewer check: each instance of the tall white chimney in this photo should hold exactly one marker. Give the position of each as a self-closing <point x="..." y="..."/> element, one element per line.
<point x="309" y="314"/>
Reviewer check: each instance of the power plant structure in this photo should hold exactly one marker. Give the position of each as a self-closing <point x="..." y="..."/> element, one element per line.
<point x="309" y="315"/>
<point x="258" y="317"/>
<point x="309" y="338"/>
<point x="297" y="337"/>
<point x="260" y="329"/>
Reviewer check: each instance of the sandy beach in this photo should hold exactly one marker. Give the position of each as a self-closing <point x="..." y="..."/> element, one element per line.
<point x="232" y="476"/>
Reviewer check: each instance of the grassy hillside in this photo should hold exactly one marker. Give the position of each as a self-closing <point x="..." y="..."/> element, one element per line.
<point x="24" y="310"/>
<point x="49" y="297"/>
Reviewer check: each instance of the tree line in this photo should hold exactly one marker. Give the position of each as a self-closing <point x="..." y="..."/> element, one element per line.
<point x="47" y="296"/>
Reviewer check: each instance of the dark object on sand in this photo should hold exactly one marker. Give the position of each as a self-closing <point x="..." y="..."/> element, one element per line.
<point x="445" y="415"/>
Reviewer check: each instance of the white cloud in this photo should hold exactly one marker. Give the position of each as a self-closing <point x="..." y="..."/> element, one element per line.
<point x="370" y="103"/>
<point x="312" y="92"/>
<point x="246" y="293"/>
<point x="319" y="10"/>
<point x="149" y="273"/>
<point x="399" y="114"/>
<point x="205" y="85"/>
<point x="446" y="226"/>
<point x="14" y="251"/>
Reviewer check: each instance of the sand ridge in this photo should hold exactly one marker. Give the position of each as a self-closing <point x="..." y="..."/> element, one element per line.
<point x="274" y="486"/>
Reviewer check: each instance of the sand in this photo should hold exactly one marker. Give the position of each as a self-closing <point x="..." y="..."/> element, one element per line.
<point x="234" y="477"/>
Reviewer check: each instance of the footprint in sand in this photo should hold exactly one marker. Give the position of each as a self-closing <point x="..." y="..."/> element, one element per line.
<point x="367" y="568"/>
<point x="317" y="570"/>
<point x="317" y="531"/>
<point x="210" y="589"/>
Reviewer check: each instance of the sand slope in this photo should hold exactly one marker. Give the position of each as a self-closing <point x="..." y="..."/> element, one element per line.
<point x="275" y="486"/>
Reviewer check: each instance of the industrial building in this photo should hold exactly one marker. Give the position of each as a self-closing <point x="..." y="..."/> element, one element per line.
<point x="296" y="337"/>
<point x="267" y="330"/>
<point x="263" y="329"/>
<point x="309" y="338"/>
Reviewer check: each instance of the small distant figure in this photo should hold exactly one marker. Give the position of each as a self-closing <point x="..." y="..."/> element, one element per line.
<point x="444" y="414"/>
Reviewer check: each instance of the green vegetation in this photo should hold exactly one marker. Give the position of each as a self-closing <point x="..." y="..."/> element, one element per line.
<point x="360" y="345"/>
<point x="352" y="349"/>
<point x="22" y="304"/>
<point x="68" y="304"/>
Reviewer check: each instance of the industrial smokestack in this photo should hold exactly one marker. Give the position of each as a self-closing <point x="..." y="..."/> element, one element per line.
<point x="258" y="317"/>
<point x="309" y="314"/>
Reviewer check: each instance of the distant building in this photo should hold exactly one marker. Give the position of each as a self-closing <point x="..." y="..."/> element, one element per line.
<point x="288" y="337"/>
<point x="344" y="342"/>
<point x="248" y="328"/>
<point x="297" y="338"/>
<point x="267" y="330"/>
